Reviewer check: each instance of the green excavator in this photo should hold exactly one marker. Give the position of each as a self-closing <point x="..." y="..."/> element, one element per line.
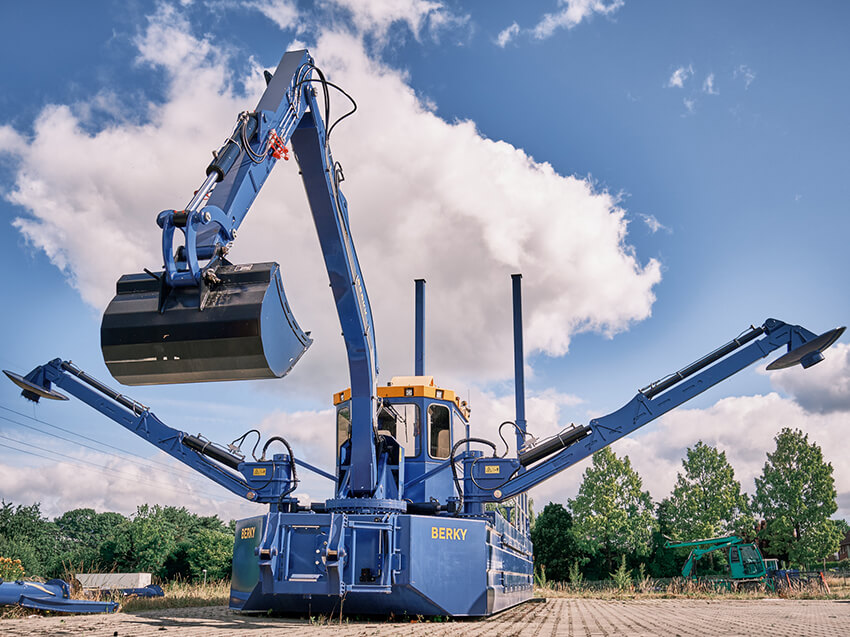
<point x="745" y="560"/>
<point x="747" y="566"/>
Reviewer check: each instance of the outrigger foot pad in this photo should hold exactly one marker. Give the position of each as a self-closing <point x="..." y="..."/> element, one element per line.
<point x="31" y="390"/>
<point x="810" y="353"/>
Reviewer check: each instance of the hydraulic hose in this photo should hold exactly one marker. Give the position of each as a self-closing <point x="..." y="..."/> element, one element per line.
<point x="294" y="481"/>
<point x="454" y="469"/>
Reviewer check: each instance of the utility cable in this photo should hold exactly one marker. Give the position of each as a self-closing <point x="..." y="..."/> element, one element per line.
<point x="97" y="467"/>
<point x="165" y="465"/>
<point x="103" y="470"/>
<point x="191" y="475"/>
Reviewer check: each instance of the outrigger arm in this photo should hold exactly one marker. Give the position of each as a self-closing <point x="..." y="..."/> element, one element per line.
<point x="534" y="464"/>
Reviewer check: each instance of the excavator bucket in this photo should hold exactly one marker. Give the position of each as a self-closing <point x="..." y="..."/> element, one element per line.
<point x="238" y="328"/>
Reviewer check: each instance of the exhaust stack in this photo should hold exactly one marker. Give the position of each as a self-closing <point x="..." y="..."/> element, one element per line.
<point x="419" y="335"/>
<point x="519" y="370"/>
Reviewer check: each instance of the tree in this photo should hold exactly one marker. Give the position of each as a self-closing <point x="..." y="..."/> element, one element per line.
<point x="611" y="514"/>
<point x="30" y="537"/>
<point x="145" y="542"/>
<point x="555" y="547"/>
<point x="212" y="551"/>
<point x="162" y="540"/>
<point x="707" y="500"/>
<point x="796" y="495"/>
<point x="663" y="562"/>
<point x="82" y="532"/>
<point x="167" y="541"/>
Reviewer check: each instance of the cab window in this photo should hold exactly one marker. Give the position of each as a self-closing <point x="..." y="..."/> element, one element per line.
<point x="343" y="426"/>
<point x="439" y="432"/>
<point x="387" y="420"/>
<point x="401" y="421"/>
<point x="750" y="559"/>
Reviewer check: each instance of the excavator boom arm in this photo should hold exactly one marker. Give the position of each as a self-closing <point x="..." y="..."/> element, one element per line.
<point x="804" y="348"/>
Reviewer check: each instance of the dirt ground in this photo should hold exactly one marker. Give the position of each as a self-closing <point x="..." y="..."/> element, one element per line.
<point x="556" y="616"/>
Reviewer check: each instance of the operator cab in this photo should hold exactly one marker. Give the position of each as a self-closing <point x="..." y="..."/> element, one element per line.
<point x="745" y="561"/>
<point x="405" y="404"/>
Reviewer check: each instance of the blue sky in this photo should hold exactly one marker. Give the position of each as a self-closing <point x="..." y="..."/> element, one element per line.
<point x="662" y="175"/>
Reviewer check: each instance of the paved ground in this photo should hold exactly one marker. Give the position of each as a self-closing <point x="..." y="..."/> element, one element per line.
<point x="560" y="616"/>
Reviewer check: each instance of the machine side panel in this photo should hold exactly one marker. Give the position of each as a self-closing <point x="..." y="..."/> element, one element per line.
<point x="246" y="570"/>
<point x="448" y="563"/>
<point x="510" y="570"/>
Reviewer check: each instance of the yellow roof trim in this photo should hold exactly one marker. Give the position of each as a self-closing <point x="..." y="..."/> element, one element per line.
<point x="399" y="391"/>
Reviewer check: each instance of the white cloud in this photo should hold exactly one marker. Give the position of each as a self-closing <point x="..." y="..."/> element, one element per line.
<point x="119" y="486"/>
<point x="110" y="481"/>
<point x="743" y="427"/>
<point x="690" y="105"/>
<point x="11" y="141"/>
<point x="284" y="13"/>
<point x="507" y="35"/>
<point x="745" y="73"/>
<point x="479" y="210"/>
<point x="653" y="224"/>
<point x="679" y="76"/>
<point x="708" y="85"/>
<point x="824" y="388"/>
<point x="572" y="13"/>
<point x="375" y="17"/>
<point x="306" y="431"/>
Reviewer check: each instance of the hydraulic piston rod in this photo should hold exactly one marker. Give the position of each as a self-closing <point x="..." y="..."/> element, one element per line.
<point x="553" y="444"/>
<point x="653" y="389"/>
<point x="134" y="406"/>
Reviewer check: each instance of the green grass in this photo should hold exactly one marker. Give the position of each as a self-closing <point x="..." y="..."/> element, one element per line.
<point x="181" y="595"/>
<point x="679" y="588"/>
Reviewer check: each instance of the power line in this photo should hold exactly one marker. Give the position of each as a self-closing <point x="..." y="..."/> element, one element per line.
<point x="97" y="467"/>
<point x="77" y="462"/>
<point x="186" y="472"/>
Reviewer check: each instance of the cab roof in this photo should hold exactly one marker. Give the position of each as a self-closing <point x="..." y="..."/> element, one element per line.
<point x="416" y="386"/>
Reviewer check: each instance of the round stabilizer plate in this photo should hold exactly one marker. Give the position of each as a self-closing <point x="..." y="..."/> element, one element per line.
<point x="24" y="384"/>
<point x="817" y="344"/>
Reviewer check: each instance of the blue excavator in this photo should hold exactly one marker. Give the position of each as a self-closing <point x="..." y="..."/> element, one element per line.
<point x="407" y="530"/>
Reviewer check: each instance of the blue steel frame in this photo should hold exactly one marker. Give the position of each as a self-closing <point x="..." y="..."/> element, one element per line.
<point x="264" y="486"/>
<point x="289" y="110"/>
<point x="387" y="549"/>
<point x="519" y="360"/>
<point x="642" y="409"/>
<point x="419" y="330"/>
<point x="279" y="111"/>
<point x="53" y="595"/>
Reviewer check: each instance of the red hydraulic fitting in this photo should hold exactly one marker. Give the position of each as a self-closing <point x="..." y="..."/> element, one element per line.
<point x="277" y="146"/>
